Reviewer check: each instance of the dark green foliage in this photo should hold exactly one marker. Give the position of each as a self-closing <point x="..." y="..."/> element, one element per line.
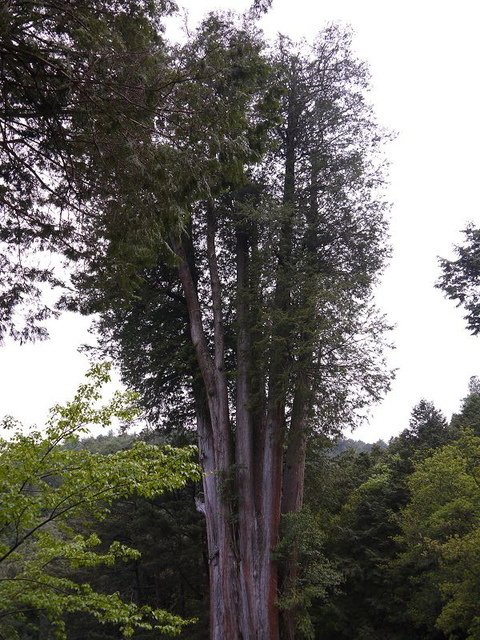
<point x="461" y="277"/>
<point x="106" y="140"/>
<point x="469" y="415"/>
<point x="78" y="104"/>
<point x="151" y="338"/>
<point x="344" y="444"/>
<point x="303" y="542"/>
<point x="360" y="540"/>
<point x="361" y="497"/>
<point x="337" y="239"/>
<point x="428" y="430"/>
<point x="427" y="426"/>
<point x="337" y="244"/>
<point x="172" y="570"/>
<point x="331" y="477"/>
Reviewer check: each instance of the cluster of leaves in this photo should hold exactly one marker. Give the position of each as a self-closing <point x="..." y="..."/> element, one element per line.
<point x="460" y="277"/>
<point x="107" y="137"/>
<point x="316" y="576"/>
<point x="337" y="236"/>
<point x="46" y="483"/>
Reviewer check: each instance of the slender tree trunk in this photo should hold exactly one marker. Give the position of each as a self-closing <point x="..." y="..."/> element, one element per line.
<point x="245" y="467"/>
<point x="292" y="498"/>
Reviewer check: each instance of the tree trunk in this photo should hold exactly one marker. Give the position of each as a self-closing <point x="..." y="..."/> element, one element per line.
<point x="243" y="483"/>
<point x="245" y="467"/>
<point x="292" y="498"/>
<point x="240" y="535"/>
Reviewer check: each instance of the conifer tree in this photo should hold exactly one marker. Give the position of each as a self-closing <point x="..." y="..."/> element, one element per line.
<point x="266" y="321"/>
<point x="234" y="229"/>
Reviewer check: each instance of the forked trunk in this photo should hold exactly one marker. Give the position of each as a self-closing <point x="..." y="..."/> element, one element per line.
<point x="243" y="481"/>
<point x="243" y="576"/>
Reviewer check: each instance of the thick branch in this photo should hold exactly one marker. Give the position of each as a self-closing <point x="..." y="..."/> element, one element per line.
<point x="196" y="323"/>
<point x="219" y="332"/>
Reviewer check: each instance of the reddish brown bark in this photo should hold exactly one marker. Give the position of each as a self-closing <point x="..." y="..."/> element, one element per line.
<point x="243" y="575"/>
<point x="243" y="529"/>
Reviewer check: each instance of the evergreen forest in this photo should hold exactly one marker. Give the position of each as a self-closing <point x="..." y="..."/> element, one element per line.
<point x="216" y="203"/>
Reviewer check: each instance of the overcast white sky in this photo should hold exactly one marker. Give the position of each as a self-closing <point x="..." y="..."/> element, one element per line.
<point x="425" y="58"/>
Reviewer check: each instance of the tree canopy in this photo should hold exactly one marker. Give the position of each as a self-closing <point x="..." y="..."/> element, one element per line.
<point x="265" y="321"/>
<point x="82" y="83"/>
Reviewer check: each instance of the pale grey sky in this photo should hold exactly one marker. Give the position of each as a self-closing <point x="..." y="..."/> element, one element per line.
<point x="424" y="58"/>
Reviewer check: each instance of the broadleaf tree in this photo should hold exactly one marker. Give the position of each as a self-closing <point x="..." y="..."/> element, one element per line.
<point x="46" y="485"/>
<point x="440" y="534"/>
